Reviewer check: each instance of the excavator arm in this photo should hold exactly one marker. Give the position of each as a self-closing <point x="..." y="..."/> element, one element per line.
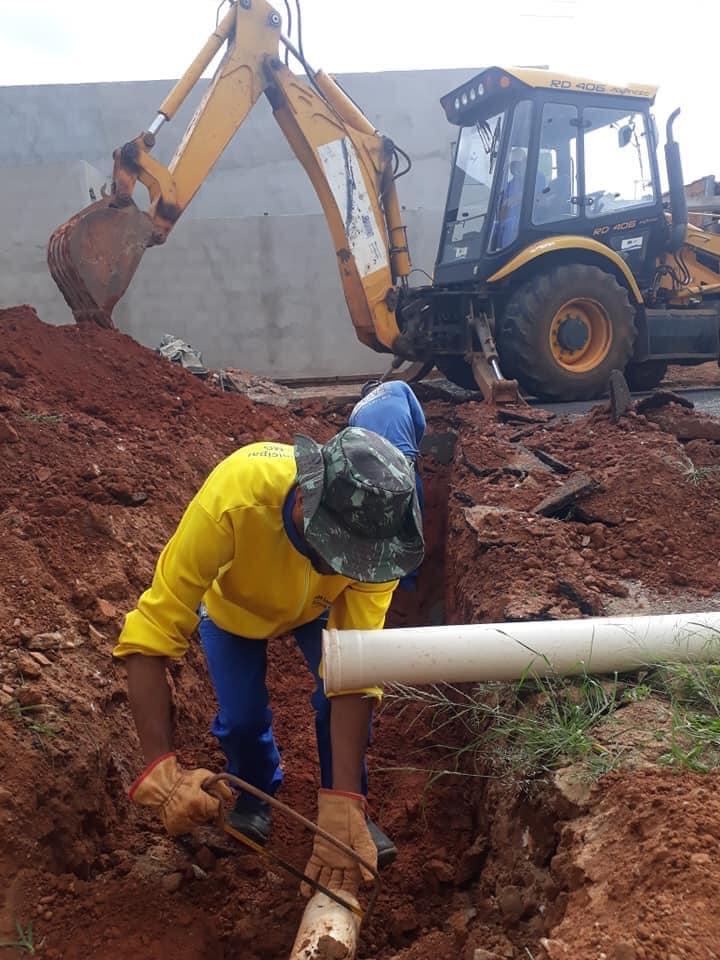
<point x="94" y="256"/>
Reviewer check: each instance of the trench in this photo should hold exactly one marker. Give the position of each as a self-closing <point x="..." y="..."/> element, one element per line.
<point x="482" y="848"/>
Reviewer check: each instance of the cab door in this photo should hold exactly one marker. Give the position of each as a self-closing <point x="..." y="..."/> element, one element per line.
<point x="620" y="202"/>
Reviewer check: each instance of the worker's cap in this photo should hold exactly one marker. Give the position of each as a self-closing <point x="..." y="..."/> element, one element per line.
<point x="361" y="511"/>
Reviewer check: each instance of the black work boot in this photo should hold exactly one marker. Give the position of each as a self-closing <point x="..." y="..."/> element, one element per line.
<point x="386" y="849"/>
<point x="254" y="822"/>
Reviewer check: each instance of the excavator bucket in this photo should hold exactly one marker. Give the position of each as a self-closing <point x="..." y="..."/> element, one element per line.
<point x="505" y="391"/>
<point x="495" y="389"/>
<point x="486" y="368"/>
<point x="94" y="255"/>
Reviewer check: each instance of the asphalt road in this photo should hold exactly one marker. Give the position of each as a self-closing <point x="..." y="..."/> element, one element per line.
<point x="706" y="401"/>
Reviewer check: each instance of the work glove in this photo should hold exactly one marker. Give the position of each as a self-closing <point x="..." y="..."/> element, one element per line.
<point x="342" y="815"/>
<point x="177" y="794"/>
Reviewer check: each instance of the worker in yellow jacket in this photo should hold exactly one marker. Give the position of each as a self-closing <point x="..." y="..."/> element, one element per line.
<point x="276" y="537"/>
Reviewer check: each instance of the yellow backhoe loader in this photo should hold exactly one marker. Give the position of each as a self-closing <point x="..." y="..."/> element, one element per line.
<point x="558" y="262"/>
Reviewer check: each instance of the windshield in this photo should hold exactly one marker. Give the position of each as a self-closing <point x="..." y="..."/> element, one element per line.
<point x="618" y="173"/>
<point x="469" y="198"/>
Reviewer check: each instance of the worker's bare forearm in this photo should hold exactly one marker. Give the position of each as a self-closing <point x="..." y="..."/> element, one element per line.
<point x="349" y="723"/>
<point x="149" y="696"/>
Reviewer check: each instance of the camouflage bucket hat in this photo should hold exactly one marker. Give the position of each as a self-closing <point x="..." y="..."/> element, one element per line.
<point x="361" y="511"/>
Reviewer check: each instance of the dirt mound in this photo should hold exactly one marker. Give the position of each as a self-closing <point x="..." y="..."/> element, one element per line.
<point x="643" y="873"/>
<point x="644" y="529"/>
<point x="703" y="375"/>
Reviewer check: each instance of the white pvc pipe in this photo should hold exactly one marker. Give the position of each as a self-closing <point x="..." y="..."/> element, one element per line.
<point x="327" y="930"/>
<point x="355" y="659"/>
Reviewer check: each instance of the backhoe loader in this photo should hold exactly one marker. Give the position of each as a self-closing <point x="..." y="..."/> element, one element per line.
<point x="559" y="260"/>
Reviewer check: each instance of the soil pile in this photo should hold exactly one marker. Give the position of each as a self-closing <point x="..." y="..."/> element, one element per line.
<point x="642" y="529"/>
<point x="102" y="444"/>
<point x="643" y="873"/>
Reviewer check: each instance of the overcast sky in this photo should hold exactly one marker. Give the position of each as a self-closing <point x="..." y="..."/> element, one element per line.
<point x="80" y="41"/>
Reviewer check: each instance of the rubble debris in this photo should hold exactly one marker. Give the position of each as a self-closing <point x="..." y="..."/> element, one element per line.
<point x="45" y="641"/>
<point x="125" y="496"/>
<point x="255" y="388"/>
<point x="661" y="398"/>
<point x="40" y="658"/>
<point x="620" y="399"/>
<point x="686" y="426"/>
<point x="175" y="350"/>
<point x="587" y="601"/>
<point x="520" y="609"/>
<point x="482" y="520"/>
<point x="556" y="465"/>
<point x="28" y="668"/>
<point x="577" y="487"/>
<point x="534" y="415"/>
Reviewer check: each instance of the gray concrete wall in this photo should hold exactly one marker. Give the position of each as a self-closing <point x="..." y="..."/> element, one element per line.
<point x="248" y="275"/>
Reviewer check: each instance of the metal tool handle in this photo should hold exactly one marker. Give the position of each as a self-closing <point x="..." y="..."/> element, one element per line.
<point x="314" y="829"/>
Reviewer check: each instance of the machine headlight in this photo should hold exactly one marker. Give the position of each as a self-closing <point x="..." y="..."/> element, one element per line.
<point x="457" y="103"/>
<point x="473" y="95"/>
<point x="480" y="89"/>
<point x="464" y="99"/>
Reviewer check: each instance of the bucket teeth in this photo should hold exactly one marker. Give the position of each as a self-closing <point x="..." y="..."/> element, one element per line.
<point x="94" y="255"/>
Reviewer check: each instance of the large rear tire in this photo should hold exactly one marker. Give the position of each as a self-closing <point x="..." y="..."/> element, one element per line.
<point x="564" y="331"/>
<point x="412" y="371"/>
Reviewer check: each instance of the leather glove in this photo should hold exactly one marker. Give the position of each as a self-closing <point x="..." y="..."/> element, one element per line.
<point x="177" y="794"/>
<point x="342" y="815"/>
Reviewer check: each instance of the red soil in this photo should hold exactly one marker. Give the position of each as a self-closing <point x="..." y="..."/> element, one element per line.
<point x="102" y="443"/>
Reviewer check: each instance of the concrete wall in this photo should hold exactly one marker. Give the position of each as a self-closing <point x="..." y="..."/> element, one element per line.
<point x="248" y="276"/>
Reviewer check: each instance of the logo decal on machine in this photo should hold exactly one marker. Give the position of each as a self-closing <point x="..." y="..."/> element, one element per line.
<point x="631" y="243"/>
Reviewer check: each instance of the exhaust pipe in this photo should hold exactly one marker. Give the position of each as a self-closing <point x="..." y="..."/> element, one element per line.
<point x="678" y="200"/>
<point x="355" y="659"/>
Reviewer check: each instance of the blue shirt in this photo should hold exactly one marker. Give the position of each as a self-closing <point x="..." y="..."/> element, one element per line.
<point x="392" y="410"/>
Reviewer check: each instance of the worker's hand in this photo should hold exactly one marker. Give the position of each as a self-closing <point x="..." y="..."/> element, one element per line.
<point x="177" y="794"/>
<point x="342" y="815"/>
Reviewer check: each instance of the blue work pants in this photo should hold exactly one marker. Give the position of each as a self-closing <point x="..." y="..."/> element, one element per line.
<point x="243" y="724"/>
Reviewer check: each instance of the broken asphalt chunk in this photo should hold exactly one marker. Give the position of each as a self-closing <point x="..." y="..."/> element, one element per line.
<point x="128" y="498"/>
<point x="530" y="415"/>
<point x="587" y="603"/>
<point x="620" y="398"/>
<point x="661" y="398"/>
<point x="549" y="460"/>
<point x="577" y="487"/>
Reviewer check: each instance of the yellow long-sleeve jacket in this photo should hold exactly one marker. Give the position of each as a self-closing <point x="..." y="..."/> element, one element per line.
<point x="235" y="551"/>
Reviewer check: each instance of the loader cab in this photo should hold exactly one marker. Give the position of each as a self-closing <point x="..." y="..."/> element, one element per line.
<point x="540" y="156"/>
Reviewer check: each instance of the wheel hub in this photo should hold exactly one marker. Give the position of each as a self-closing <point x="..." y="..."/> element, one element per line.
<point x="572" y="333"/>
<point x="580" y="335"/>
